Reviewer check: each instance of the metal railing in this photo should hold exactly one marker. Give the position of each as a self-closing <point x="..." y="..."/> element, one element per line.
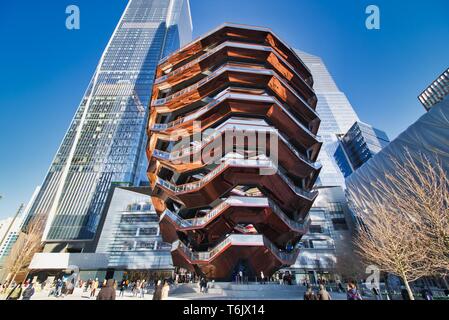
<point x="222" y="96"/>
<point x="237" y="240"/>
<point x="220" y="47"/>
<point x="299" y="226"/>
<point x="197" y="40"/>
<point x="261" y="164"/>
<point x="232" y="128"/>
<point x="228" y="67"/>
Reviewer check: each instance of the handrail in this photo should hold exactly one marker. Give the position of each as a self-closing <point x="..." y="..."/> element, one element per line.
<point x="267" y="164"/>
<point x="222" y="97"/>
<point x="206" y="256"/>
<point x="185" y="152"/>
<point x="218" y="72"/>
<point x="227" y="126"/>
<point x="232" y="25"/>
<point x="224" y="205"/>
<point x="220" y="47"/>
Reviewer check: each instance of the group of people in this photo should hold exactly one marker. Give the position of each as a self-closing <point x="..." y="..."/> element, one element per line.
<point x="161" y="290"/>
<point x="91" y="286"/>
<point x="137" y="288"/>
<point x="107" y="289"/>
<point x="186" y="278"/>
<point x="15" y="291"/>
<point x="352" y="293"/>
<point x="62" y="287"/>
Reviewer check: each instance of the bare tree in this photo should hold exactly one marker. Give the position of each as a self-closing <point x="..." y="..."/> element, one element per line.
<point x="405" y="219"/>
<point x="28" y="243"/>
<point x="423" y="193"/>
<point x="388" y="240"/>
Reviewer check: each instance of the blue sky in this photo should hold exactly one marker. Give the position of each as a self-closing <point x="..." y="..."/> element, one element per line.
<point x="45" y="68"/>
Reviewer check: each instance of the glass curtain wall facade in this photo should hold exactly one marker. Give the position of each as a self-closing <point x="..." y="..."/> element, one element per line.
<point x="359" y="145"/>
<point x="329" y="234"/>
<point x="131" y="234"/>
<point x="105" y="143"/>
<point x="336" y="114"/>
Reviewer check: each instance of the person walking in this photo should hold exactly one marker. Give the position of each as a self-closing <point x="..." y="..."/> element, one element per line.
<point x="70" y="287"/>
<point x="426" y="294"/>
<point x="142" y="289"/>
<point x="323" y="294"/>
<point x="352" y="293"/>
<point x="28" y="292"/>
<point x="165" y="290"/>
<point x="87" y="284"/>
<point x="93" y="288"/>
<point x="340" y="286"/>
<point x="203" y="285"/>
<point x="58" y="288"/>
<point x="122" y="288"/>
<point x="107" y="292"/>
<point x="309" y="295"/>
<point x="136" y="288"/>
<point x="262" y="277"/>
<point x="158" y="291"/>
<point x="2" y="287"/>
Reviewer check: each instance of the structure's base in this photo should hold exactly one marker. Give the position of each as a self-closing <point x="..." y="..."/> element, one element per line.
<point x="232" y="291"/>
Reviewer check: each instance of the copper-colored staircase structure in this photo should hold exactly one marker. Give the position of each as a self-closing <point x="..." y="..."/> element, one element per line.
<point x="224" y="215"/>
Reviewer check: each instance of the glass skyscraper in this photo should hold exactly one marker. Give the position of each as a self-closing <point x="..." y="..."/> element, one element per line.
<point x="329" y="233"/>
<point x="336" y="114"/>
<point x="131" y="235"/>
<point x="105" y="143"/>
<point x="359" y="145"/>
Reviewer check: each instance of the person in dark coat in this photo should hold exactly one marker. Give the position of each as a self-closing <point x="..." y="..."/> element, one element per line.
<point x="309" y="295"/>
<point x="123" y="288"/>
<point x="107" y="292"/>
<point x="203" y="285"/>
<point x="426" y="294"/>
<point x="28" y="292"/>
<point x="158" y="291"/>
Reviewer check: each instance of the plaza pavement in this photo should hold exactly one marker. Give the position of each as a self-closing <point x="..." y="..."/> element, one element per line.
<point x="191" y="292"/>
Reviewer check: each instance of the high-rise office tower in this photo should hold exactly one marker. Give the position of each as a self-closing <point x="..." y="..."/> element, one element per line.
<point x="336" y="114"/>
<point x="105" y="143"/>
<point x="329" y="233"/>
<point x="436" y="92"/>
<point x="359" y="145"/>
<point x="232" y="152"/>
